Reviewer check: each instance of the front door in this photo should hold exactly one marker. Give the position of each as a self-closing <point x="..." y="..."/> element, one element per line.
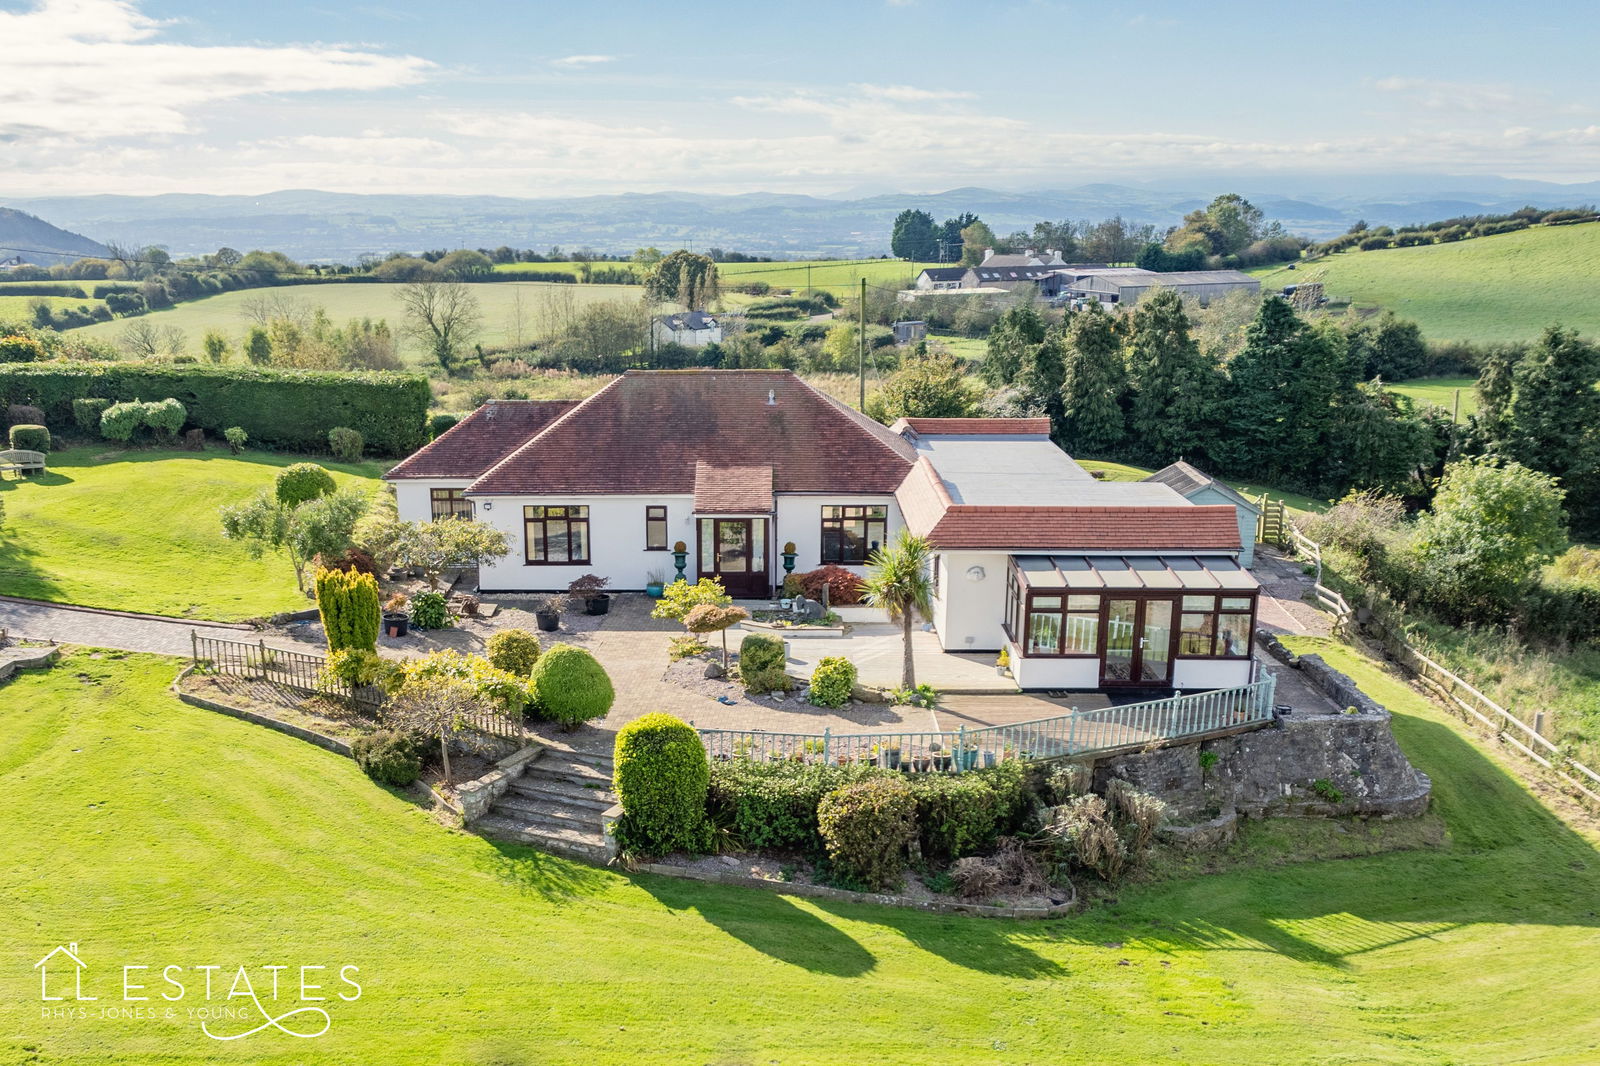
<point x="1138" y="642"/>
<point x="734" y="551"/>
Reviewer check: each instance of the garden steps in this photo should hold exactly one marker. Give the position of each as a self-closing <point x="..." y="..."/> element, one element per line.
<point x="557" y="803"/>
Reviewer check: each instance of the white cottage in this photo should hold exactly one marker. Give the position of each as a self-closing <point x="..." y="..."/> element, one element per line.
<point x="1087" y="584"/>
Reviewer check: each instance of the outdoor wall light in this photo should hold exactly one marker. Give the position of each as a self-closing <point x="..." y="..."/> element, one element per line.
<point x="976" y="573"/>
<point x="488" y="505"/>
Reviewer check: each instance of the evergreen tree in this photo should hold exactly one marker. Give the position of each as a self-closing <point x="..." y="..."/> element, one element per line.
<point x="915" y="237"/>
<point x="1553" y="419"/>
<point x="1172" y="386"/>
<point x="1042" y="376"/>
<point x="1019" y="330"/>
<point x="1092" y="421"/>
<point x="1281" y="387"/>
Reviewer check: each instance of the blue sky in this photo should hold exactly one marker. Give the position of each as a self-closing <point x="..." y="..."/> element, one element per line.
<point x="537" y="98"/>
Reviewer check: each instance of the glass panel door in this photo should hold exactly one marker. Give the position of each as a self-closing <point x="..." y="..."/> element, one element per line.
<point x="733" y="546"/>
<point x="1155" y="658"/>
<point x="1122" y="618"/>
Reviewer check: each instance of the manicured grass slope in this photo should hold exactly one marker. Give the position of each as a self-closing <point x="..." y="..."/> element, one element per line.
<point x="149" y="831"/>
<point x="138" y="531"/>
<point x="1458" y="395"/>
<point x="346" y="300"/>
<point x="1503" y="288"/>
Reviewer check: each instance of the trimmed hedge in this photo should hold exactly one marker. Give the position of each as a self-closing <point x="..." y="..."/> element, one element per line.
<point x="757" y="653"/>
<point x="30" y="438"/>
<point x="87" y="411"/>
<point x="774" y="804"/>
<point x="389" y="758"/>
<point x="279" y="407"/>
<point x="868" y="827"/>
<point x="661" y="779"/>
<point x="299" y="482"/>
<point x="568" y="685"/>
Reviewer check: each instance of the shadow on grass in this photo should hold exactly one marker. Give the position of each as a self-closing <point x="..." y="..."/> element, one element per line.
<point x="538" y="873"/>
<point x="985" y="945"/>
<point x="769" y="923"/>
<point x="21" y="573"/>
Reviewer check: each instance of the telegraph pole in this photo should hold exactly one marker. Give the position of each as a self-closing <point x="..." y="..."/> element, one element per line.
<point x="861" y="332"/>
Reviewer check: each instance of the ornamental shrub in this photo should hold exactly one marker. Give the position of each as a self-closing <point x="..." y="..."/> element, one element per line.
<point x="30" y="438"/>
<point x="236" y="437"/>
<point x="345" y="443"/>
<point x="166" y="417"/>
<point x="353" y="668"/>
<point x="514" y="651"/>
<point x="429" y="611"/>
<point x="680" y="597"/>
<point x="774" y="804"/>
<point x="24" y="414"/>
<point x="957" y="814"/>
<point x="832" y="681"/>
<point x="86" y="413"/>
<point x="121" y="420"/>
<point x="568" y="685"/>
<point x="767" y="679"/>
<point x="20" y="350"/>
<point x="279" y="407"/>
<point x="438" y="425"/>
<point x="662" y="778"/>
<point x="299" y="482"/>
<point x="507" y="691"/>
<point x="348" y="603"/>
<point x="844" y="587"/>
<point x="867" y="827"/>
<point x="757" y="652"/>
<point x="389" y="758"/>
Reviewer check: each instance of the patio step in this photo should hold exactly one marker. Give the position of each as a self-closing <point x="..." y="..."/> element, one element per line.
<point x="557" y="803"/>
<point x="589" y="847"/>
<point x="562" y="790"/>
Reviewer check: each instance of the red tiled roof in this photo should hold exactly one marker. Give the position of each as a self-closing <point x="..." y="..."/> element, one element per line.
<point x="1030" y="427"/>
<point x="482" y="439"/>
<point x="646" y="430"/>
<point x="732" y="489"/>
<point x="930" y="513"/>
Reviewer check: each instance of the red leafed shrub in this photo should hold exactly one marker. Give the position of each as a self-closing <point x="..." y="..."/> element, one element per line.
<point x="844" y="587"/>
<point x="351" y="559"/>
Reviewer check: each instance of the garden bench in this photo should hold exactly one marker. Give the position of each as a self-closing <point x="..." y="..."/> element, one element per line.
<point x="22" y="461"/>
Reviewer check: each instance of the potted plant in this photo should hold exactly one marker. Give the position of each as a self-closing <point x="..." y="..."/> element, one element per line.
<point x="654" y="584"/>
<point x="548" y="613"/>
<point x="396" y="622"/>
<point x="969" y="758"/>
<point x="1002" y="665"/>
<point x="680" y="558"/>
<point x="891" y="756"/>
<point x="921" y="763"/>
<point x="590" y="588"/>
<point x="939" y="757"/>
<point x="788" y="557"/>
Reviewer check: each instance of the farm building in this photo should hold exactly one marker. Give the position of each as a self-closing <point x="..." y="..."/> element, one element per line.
<point x="1127" y="285"/>
<point x="1197" y="487"/>
<point x="909" y="331"/>
<point x="934" y="279"/>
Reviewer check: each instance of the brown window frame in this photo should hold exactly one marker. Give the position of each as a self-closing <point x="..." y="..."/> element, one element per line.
<point x="460" y="506"/>
<point x="650" y="516"/>
<point x="849" y="512"/>
<point x="529" y="521"/>
<point x="1214" y="615"/>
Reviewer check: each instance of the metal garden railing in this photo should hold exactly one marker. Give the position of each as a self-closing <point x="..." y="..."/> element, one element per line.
<point x="1081" y="733"/>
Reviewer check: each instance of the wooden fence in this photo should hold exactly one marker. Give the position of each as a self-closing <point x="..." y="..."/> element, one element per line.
<point x="1457" y="693"/>
<point x="302" y="671"/>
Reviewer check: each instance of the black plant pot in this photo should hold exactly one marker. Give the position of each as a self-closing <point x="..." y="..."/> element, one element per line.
<point x="549" y="621"/>
<point x="597" y="604"/>
<point x="396" y="624"/>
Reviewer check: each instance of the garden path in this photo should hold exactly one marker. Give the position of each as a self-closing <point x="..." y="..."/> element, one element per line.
<point x="121" y="630"/>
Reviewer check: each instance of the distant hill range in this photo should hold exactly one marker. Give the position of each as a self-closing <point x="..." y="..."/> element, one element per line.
<point x="34" y="240"/>
<point x="323" y="226"/>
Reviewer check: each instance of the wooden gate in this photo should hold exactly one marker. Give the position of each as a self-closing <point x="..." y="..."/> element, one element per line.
<point x="1272" y="527"/>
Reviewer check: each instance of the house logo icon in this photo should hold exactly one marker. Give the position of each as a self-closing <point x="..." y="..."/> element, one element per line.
<point x="61" y="965"/>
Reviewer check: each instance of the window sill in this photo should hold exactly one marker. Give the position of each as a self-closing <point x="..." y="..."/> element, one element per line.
<point x="542" y="562"/>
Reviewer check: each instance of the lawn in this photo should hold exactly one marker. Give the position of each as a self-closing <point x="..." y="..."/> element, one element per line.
<point x="1459" y="395"/>
<point x="20" y="308"/>
<point x="1294" y="502"/>
<point x="153" y="833"/>
<point x="346" y="300"/>
<point x="1491" y="289"/>
<point x="138" y="531"/>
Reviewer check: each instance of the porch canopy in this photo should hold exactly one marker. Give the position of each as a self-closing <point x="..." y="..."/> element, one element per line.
<point x="1134" y="573"/>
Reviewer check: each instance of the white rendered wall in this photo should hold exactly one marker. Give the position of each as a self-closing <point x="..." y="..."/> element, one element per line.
<point x="413" y="500"/>
<point x="968" y="614"/>
<point x="799" y="518"/>
<point x="616" y="542"/>
<point x="1189" y="674"/>
<point x="1053" y="673"/>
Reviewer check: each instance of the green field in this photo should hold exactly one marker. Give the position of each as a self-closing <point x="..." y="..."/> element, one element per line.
<point x="839" y="276"/>
<point x="153" y="833"/>
<point x="20" y="308"/>
<point x="1452" y="394"/>
<point x="1292" y="501"/>
<point x="1490" y="289"/>
<point x="346" y="300"/>
<point x="138" y="531"/>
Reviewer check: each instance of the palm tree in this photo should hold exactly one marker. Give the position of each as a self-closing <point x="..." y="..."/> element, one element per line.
<point x="898" y="581"/>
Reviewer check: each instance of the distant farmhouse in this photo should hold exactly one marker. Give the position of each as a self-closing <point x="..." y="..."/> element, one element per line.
<point x="1055" y="279"/>
<point x="692" y="329"/>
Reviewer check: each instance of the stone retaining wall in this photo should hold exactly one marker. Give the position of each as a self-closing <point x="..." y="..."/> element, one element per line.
<point x="14" y="659"/>
<point x="475" y="797"/>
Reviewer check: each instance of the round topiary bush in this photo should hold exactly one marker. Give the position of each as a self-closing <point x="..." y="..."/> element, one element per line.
<point x="757" y="652"/>
<point x="867" y="828"/>
<point x="662" y="777"/>
<point x="30" y="438"/>
<point x="345" y="443"/>
<point x="568" y="685"/>
<point x="832" y="681"/>
<point x="301" y="482"/>
<point x="86" y="412"/>
<point x="121" y="420"/>
<point x="514" y="650"/>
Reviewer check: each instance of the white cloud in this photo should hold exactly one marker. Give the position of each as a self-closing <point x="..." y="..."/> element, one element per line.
<point x="1474" y="98"/>
<point x="99" y="68"/>
<point x="578" y="62"/>
<point x="912" y="94"/>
